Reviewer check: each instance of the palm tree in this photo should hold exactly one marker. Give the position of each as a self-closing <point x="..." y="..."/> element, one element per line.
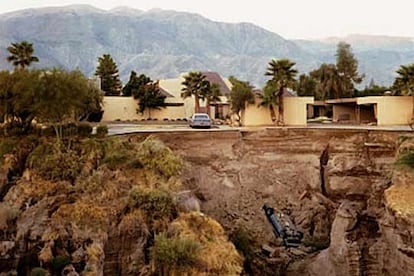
<point x="404" y="83"/>
<point x="269" y="98"/>
<point x="283" y="76"/>
<point x="21" y="55"/>
<point x="195" y="84"/>
<point x="213" y="96"/>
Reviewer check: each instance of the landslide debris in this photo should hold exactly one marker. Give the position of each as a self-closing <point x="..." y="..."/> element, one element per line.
<point x="102" y="207"/>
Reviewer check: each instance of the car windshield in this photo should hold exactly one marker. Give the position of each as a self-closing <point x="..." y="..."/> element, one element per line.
<point x="203" y="117"/>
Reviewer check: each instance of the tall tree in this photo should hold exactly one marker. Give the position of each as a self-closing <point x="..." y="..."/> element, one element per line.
<point x="306" y="86"/>
<point x="135" y="85"/>
<point x="195" y="85"/>
<point x="283" y="76"/>
<point x="53" y="96"/>
<point x="241" y="94"/>
<point x="109" y="75"/>
<point x="347" y="66"/>
<point x="19" y="97"/>
<point x="151" y="98"/>
<point x="404" y="83"/>
<point x="21" y="55"/>
<point x="65" y="97"/>
<point x="329" y="83"/>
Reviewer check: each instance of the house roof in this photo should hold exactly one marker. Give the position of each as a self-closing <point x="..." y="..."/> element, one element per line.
<point x="258" y="92"/>
<point x="341" y="100"/>
<point x="214" y="77"/>
<point x="287" y="92"/>
<point x="164" y="92"/>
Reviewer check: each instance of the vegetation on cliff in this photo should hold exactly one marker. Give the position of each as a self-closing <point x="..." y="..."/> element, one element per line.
<point x="74" y="196"/>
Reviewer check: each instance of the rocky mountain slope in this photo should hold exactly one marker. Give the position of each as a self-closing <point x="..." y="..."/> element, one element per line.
<point x="158" y="42"/>
<point x="166" y="43"/>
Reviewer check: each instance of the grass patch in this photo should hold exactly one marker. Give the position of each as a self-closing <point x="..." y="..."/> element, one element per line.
<point x="59" y="262"/>
<point x="38" y="271"/>
<point x="155" y="155"/>
<point x="244" y="243"/>
<point x="173" y="256"/>
<point x="157" y="205"/>
<point x="7" y="146"/>
<point x="218" y="256"/>
<point x="406" y="159"/>
<point x="53" y="163"/>
<point x="101" y="131"/>
<point x="317" y="243"/>
<point x="118" y="154"/>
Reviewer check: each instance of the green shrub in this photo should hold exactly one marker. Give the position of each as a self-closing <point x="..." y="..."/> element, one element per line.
<point x="9" y="130"/>
<point x="406" y="159"/>
<point x="317" y="243"/>
<point x="244" y="243"/>
<point x="169" y="255"/>
<point x="7" y="145"/>
<point x="155" y="155"/>
<point x="54" y="163"/>
<point x="120" y="154"/>
<point x="101" y="131"/>
<point x="116" y="153"/>
<point x="38" y="271"/>
<point x="84" y="129"/>
<point x="59" y="262"/>
<point x="69" y="129"/>
<point x="156" y="204"/>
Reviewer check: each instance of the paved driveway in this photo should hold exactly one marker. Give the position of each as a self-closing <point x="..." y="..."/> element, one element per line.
<point x="117" y="129"/>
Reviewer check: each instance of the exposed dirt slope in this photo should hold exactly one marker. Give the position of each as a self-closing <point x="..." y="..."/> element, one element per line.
<point x="332" y="180"/>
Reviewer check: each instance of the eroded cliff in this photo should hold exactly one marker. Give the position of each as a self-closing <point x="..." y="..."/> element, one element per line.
<point x="344" y="189"/>
<point x="338" y="184"/>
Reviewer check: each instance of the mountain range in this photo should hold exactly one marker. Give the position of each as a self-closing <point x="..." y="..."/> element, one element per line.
<point x="164" y="43"/>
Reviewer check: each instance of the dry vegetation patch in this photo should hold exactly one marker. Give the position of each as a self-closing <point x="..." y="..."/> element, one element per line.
<point x="212" y="252"/>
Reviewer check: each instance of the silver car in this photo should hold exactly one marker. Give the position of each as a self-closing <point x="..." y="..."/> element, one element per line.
<point x="200" y="120"/>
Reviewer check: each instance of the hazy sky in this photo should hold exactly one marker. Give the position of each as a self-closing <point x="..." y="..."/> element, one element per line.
<point x="289" y="18"/>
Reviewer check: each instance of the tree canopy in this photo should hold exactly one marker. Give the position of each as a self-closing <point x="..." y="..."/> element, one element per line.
<point x="150" y="98"/>
<point x="107" y="70"/>
<point x="136" y="85"/>
<point x="52" y="96"/>
<point x="347" y="66"/>
<point x="21" y="55"/>
<point x="283" y="76"/>
<point x="240" y="95"/>
<point x="195" y="85"/>
<point x="404" y="84"/>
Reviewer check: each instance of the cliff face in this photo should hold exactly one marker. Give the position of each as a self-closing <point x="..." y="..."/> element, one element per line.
<point x="342" y="188"/>
<point x="334" y="182"/>
<point x="102" y="207"/>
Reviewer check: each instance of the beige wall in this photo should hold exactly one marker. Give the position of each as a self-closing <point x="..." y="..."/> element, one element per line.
<point x="295" y="110"/>
<point x="125" y="108"/>
<point x="173" y="86"/>
<point x="256" y="116"/>
<point x="391" y="110"/>
<point x="339" y="111"/>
